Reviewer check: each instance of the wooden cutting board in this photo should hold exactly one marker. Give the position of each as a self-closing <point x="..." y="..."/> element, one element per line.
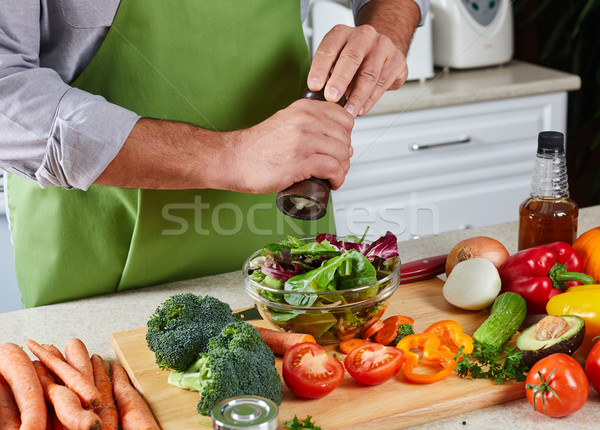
<point x="392" y="405"/>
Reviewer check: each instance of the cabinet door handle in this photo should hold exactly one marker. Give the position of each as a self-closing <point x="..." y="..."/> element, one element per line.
<point x="418" y="147"/>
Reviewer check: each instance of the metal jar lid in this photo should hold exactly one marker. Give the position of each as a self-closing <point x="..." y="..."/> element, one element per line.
<point x="245" y="412"/>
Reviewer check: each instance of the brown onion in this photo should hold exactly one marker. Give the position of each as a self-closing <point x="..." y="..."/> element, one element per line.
<point x="477" y="247"/>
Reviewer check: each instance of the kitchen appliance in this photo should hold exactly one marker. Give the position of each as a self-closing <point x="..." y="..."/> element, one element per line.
<point x="324" y="15"/>
<point x="472" y="33"/>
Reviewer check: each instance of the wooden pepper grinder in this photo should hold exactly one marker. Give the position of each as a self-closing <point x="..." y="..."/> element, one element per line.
<point x="307" y="200"/>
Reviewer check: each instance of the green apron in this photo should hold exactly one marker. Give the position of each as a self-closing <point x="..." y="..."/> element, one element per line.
<point x="221" y="65"/>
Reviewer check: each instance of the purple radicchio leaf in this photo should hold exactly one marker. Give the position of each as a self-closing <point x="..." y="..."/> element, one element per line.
<point x="270" y="267"/>
<point x="341" y="245"/>
<point x="385" y="247"/>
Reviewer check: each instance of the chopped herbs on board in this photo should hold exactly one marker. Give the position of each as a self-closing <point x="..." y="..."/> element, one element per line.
<point x="497" y="363"/>
<point x="296" y="424"/>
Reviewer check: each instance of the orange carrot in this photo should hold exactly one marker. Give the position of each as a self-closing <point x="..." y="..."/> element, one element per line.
<point x="54" y="350"/>
<point x="66" y="403"/>
<point x="350" y="344"/>
<point x="387" y="334"/>
<point x="86" y="391"/>
<point x="389" y="331"/>
<point x="280" y="341"/>
<point x="78" y="357"/>
<point x="398" y="320"/>
<point x="378" y="325"/>
<point x="9" y="411"/>
<point x="18" y="371"/>
<point x="54" y="421"/>
<point x="133" y="410"/>
<point x="107" y="409"/>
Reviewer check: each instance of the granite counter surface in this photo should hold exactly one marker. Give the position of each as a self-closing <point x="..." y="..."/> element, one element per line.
<point x="93" y="320"/>
<point x="454" y="87"/>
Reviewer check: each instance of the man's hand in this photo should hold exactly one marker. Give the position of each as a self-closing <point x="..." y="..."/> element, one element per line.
<point x="308" y="138"/>
<point x="365" y="61"/>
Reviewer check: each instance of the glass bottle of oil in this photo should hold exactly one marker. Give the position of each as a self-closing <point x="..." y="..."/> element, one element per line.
<point x="549" y="214"/>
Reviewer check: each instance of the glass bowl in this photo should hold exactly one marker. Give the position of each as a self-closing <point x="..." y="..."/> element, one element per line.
<point x="339" y="315"/>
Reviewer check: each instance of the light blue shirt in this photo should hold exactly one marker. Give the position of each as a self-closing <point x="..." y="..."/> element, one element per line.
<point x="51" y="132"/>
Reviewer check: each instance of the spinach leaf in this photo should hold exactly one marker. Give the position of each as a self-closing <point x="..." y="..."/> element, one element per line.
<point x="315" y="248"/>
<point x="362" y="272"/>
<point x="323" y="278"/>
<point x="273" y="247"/>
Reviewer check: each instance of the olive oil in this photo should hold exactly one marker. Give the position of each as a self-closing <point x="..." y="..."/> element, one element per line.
<point x="549" y="214"/>
<point x="547" y="220"/>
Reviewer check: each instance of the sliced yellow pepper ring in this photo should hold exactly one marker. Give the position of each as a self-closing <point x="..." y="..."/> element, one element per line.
<point x="451" y="335"/>
<point x="429" y="344"/>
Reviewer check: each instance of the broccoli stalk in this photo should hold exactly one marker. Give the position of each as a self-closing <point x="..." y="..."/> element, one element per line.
<point x="236" y="363"/>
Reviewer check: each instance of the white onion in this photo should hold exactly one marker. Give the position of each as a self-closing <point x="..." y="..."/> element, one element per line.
<point x="474" y="284"/>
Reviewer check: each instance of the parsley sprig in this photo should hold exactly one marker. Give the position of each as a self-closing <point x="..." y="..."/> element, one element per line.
<point x="497" y="363"/>
<point x="296" y="424"/>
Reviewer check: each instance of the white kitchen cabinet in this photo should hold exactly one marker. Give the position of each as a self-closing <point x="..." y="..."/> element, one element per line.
<point x="424" y="172"/>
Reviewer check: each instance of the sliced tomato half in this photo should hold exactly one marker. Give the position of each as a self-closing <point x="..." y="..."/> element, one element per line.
<point x="374" y="363"/>
<point x="310" y="372"/>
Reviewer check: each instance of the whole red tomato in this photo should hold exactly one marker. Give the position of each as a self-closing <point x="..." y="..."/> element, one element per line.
<point x="373" y="363"/>
<point x="592" y="366"/>
<point x="557" y="386"/>
<point x="308" y="371"/>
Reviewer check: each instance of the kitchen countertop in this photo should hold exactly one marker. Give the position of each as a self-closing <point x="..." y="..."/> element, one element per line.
<point x="93" y="320"/>
<point x="454" y="87"/>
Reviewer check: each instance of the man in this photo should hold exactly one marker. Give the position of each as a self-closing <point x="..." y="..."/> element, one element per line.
<point x="143" y="137"/>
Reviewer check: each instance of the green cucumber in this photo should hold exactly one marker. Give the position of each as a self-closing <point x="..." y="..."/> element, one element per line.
<point x="506" y="316"/>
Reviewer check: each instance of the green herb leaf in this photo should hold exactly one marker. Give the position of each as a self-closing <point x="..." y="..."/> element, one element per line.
<point x="499" y="364"/>
<point x="296" y="424"/>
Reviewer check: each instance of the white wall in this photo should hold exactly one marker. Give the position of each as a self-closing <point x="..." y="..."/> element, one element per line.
<point x="10" y="297"/>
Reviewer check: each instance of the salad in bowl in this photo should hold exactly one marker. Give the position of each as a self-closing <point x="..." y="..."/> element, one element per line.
<point x="329" y="287"/>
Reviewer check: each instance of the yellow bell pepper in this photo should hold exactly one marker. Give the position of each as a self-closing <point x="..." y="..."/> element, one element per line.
<point x="582" y="301"/>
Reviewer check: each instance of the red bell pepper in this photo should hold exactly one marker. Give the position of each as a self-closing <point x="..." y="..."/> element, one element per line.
<point x="541" y="272"/>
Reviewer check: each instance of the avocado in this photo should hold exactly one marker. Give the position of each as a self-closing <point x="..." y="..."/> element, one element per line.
<point x="550" y="335"/>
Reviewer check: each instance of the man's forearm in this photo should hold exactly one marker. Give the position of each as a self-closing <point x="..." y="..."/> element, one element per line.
<point x="397" y="19"/>
<point x="168" y="155"/>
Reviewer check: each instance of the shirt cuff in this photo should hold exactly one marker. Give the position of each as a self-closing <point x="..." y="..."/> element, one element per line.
<point x="422" y="4"/>
<point x="87" y="133"/>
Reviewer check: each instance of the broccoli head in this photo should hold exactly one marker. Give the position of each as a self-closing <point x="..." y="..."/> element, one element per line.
<point x="181" y="328"/>
<point x="236" y="363"/>
<point x="403" y="331"/>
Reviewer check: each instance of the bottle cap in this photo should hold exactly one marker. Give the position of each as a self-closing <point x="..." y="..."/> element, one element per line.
<point x="551" y="142"/>
<point x="245" y="413"/>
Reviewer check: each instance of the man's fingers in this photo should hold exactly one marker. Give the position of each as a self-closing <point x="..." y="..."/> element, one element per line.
<point x="392" y="77"/>
<point x="369" y="76"/>
<point x="324" y="167"/>
<point x="350" y="60"/>
<point x="326" y="55"/>
<point x="330" y="112"/>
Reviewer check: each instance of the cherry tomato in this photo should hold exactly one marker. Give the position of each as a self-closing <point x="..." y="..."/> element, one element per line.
<point x="592" y="366"/>
<point x="374" y="363"/>
<point x="310" y="372"/>
<point x="557" y="386"/>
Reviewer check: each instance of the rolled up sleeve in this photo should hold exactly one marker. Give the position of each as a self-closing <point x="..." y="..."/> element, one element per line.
<point x="50" y="132"/>
<point x="422" y="4"/>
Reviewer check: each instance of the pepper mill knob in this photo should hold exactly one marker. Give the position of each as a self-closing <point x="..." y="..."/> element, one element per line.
<point x="308" y="199"/>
